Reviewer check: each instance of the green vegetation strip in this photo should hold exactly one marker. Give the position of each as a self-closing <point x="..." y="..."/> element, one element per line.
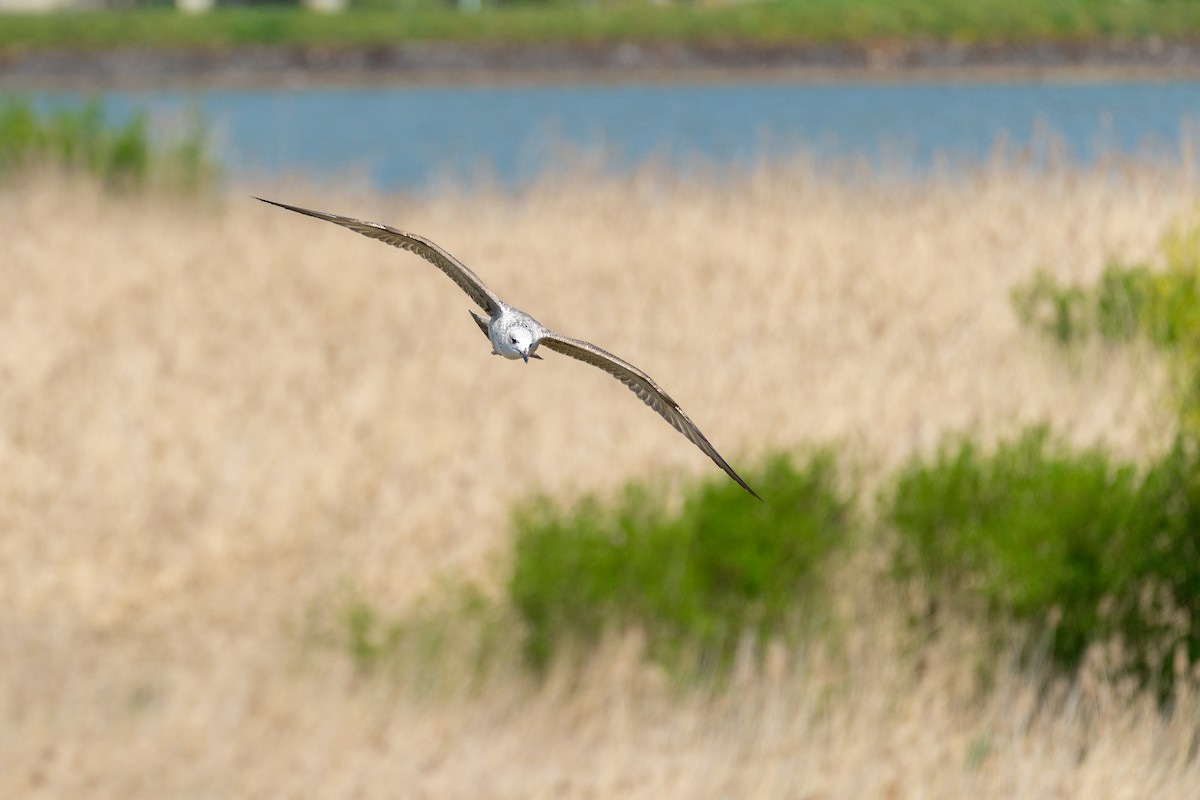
<point x="380" y="23"/>
<point x="124" y="156"/>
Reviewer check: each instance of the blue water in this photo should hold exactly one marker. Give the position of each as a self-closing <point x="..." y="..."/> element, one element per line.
<point x="412" y="137"/>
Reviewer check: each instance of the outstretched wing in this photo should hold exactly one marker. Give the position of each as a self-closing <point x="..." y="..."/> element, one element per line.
<point x="467" y="280"/>
<point x="645" y="388"/>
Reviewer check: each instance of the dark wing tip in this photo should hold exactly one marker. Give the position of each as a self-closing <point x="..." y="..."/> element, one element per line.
<point x="284" y="205"/>
<point x="289" y="208"/>
<point x="723" y="464"/>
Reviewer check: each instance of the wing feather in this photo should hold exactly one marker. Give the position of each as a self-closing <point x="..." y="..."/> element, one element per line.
<point x="457" y="271"/>
<point x="647" y="391"/>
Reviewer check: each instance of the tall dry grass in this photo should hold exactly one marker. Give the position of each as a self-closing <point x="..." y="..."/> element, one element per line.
<point x="214" y="418"/>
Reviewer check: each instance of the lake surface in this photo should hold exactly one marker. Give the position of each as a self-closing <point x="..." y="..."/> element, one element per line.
<point x="413" y="137"/>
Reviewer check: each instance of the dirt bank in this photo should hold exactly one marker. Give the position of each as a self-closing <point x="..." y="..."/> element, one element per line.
<point x="426" y="62"/>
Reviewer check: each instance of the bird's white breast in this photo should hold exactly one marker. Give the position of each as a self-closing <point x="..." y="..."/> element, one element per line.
<point x="498" y="330"/>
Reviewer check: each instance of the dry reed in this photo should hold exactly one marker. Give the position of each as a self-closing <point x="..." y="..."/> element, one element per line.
<point x="215" y="417"/>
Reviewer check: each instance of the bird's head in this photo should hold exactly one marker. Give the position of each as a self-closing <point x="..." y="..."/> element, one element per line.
<point x="521" y="340"/>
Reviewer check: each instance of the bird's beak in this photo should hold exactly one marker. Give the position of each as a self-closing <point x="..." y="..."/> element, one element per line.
<point x="525" y="355"/>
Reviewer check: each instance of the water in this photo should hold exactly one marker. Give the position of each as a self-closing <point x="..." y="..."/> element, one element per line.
<point x="412" y="137"/>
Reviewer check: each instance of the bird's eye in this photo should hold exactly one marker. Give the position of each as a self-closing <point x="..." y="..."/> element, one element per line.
<point x="512" y="339"/>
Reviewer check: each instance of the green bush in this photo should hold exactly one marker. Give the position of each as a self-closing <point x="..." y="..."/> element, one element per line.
<point x="1082" y="548"/>
<point x="1160" y="305"/>
<point x="1116" y="308"/>
<point x="80" y="140"/>
<point x="1051" y="308"/>
<point x="695" y="581"/>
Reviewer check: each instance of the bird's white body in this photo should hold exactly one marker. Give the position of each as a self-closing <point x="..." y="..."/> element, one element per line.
<point x="514" y="334"/>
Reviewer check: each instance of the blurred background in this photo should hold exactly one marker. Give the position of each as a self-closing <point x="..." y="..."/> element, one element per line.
<point x="273" y="522"/>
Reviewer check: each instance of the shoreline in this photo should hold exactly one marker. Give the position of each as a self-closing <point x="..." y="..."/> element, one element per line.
<point x="430" y="63"/>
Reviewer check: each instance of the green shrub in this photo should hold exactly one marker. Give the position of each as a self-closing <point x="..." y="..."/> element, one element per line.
<point x="1117" y="307"/>
<point x="1056" y="310"/>
<point x="80" y="140"/>
<point x="1070" y="542"/>
<point x="1161" y="305"/>
<point x="695" y="581"/>
<point x="1159" y="613"/>
<point x="1121" y="301"/>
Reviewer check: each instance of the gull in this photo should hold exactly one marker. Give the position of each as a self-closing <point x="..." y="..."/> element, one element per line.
<point x="514" y="334"/>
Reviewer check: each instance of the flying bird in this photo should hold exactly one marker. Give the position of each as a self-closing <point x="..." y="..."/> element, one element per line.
<point x="514" y="334"/>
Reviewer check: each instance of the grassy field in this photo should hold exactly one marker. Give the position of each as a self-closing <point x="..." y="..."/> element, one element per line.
<point x="784" y="20"/>
<point x="219" y="420"/>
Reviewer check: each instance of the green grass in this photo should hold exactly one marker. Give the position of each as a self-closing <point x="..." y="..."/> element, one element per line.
<point x="695" y="581"/>
<point x="382" y="22"/>
<point x="124" y="156"/>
